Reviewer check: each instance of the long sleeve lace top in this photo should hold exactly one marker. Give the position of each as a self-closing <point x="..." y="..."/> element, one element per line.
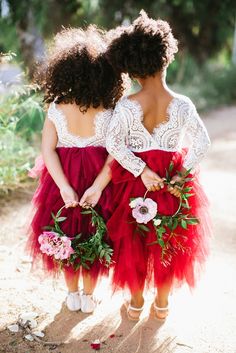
<point x="127" y="134"/>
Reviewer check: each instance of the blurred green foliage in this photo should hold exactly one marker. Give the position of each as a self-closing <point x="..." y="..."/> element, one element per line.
<point x="21" y="120"/>
<point x="203" y="27"/>
<point x="209" y="87"/>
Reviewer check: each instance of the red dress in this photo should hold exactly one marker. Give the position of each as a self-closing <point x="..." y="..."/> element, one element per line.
<point x="136" y="261"/>
<point x="81" y="159"/>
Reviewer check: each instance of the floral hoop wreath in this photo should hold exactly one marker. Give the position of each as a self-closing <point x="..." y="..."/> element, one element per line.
<point x="68" y="250"/>
<point x="145" y="210"/>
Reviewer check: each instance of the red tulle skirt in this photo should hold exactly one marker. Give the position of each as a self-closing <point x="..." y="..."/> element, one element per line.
<point x="81" y="166"/>
<point x="136" y="261"/>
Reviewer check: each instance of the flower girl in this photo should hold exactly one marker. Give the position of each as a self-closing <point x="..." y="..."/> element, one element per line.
<point x="160" y="236"/>
<point x="81" y="89"/>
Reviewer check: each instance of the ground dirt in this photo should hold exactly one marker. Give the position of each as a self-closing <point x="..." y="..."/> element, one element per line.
<point x="203" y="321"/>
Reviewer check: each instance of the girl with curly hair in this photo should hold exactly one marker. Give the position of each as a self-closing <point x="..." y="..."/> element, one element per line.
<point x="145" y="137"/>
<point x="81" y="89"/>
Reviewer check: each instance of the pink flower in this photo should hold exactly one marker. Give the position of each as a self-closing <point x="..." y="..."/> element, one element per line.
<point x="53" y="244"/>
<point x="143" y="209"/>
<point x="38" y="167"/>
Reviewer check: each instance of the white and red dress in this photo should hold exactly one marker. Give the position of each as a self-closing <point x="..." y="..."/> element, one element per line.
<point x="82" y="158"/>
<point x="134" y="147"/>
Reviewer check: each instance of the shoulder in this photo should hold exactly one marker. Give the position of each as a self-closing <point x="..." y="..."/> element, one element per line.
<point x="182" y="99"/>
<point x="125" y="112"/>
<point x="128" y="107"/>
<point x="54" y="113"/>
<point x="104" y="117"/>
<point x="183" y="106"/>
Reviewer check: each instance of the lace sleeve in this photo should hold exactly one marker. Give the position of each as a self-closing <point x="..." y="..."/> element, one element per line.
<point x="117" y="136"/>
<point x="196" y="131"/>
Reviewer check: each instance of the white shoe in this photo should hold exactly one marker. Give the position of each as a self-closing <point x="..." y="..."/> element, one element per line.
<point x="73" y="301"/>
<point x="88" y="303"/>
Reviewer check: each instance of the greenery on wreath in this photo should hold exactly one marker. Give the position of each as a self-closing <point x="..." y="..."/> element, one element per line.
<point x="145" y="210"/>
<point x="71" y="250"/>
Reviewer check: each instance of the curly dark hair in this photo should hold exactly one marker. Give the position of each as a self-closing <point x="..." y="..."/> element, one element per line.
<point x="144" y="48"/>
<point x="77" y="71"/>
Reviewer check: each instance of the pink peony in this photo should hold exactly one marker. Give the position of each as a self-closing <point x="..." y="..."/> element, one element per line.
<point x="53" y="244"/>
<point x="144" y="209"/>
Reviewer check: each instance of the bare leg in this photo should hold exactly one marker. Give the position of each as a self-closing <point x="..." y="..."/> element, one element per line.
<point x="72" y="281"/>
<point x="89" y="283"/>
<point x="161" y="300"/>
<point x="136" y="302"/>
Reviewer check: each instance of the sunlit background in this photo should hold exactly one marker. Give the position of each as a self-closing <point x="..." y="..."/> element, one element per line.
<point x="205" y="70"/>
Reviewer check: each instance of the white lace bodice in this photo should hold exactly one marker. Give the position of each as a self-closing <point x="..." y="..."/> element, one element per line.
<point x="66" y="139"/>
<point x="127" y="134"/>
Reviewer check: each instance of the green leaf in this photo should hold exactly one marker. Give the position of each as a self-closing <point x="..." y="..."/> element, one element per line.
<point x="86" y="212"/>
<point x="184" y="224"/>
<point x="167" y="176"/>
<point x="161" y="243"/>
<point x="171" y="166"/>
<point x="175" y="223"/>
<point x="188" y="171"/>
<point x="53" y="216"/>
<point x="143" y="227"/>
<point x="187" y="195"/>
<point x="61" y="219"/>
<point x="193" y="221"/>
<point x="59" y="212"/>
<point x="187" y="189"/>
<point x="108" y="257"/>
<point x="102" y="253"/>
<point x="160" y="230"/>
<point x="170" y="223"/>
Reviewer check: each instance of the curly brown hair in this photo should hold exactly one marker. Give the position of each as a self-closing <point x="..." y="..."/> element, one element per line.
<point x="144" y="48"/>
<point x="77" y="71"/>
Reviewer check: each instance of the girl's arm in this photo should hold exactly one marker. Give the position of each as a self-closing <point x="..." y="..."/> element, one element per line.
<point x="93" y="194"/>
<point x="200" y="142"/>
<point x="53" y="164"/>
<point x="117" y="147"/>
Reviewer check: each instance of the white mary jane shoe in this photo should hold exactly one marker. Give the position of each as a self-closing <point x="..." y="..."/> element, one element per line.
<point x="73" y="301"/>
<point x="88" y="303"/>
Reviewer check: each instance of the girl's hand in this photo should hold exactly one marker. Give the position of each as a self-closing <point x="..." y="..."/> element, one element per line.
<point x="176" y="189"/>
<point x="151" y="180"/>
<point x="69" y="196"/>
<point x="90" y="197"/>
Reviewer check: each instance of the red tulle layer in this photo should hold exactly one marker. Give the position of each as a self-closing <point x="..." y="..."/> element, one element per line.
<point x="81" y="166"/>
<point x="136" y="262"/>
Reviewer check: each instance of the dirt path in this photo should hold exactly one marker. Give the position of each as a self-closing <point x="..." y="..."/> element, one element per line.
<point x="201" y="322"/>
